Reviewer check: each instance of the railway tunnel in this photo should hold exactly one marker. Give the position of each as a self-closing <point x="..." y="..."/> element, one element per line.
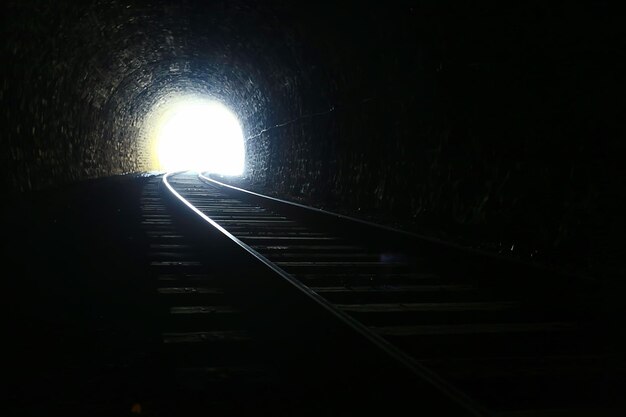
<point x="494" y="127"/>
<point x="497" y="123"/>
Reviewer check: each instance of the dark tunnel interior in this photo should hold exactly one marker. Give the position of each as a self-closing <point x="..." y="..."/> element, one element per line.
<point x="496" y="126"/>
<point x="493" y="125"/>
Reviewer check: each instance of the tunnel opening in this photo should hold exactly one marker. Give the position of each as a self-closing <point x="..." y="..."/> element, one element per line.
<point x="193" y="132"/>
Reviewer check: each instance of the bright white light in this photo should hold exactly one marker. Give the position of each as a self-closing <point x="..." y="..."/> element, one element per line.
<point x="200" y="135"/>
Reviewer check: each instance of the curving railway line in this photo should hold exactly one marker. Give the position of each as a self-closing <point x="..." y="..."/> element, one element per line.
<point x="273" y="305"/>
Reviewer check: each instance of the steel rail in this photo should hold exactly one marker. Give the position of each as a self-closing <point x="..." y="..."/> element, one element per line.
<point x="422" y="372"/>
<point x="457" y="248"/>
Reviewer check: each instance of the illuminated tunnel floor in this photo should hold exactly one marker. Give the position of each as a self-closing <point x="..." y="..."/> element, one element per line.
<point x="84" y="334"/>
<point x="85" y="338"/>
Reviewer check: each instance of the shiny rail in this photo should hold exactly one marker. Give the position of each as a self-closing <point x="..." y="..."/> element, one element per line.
<point x="447" y="314"/>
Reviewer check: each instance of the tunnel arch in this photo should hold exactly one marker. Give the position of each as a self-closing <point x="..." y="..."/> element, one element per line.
<point x="92" y="71"/>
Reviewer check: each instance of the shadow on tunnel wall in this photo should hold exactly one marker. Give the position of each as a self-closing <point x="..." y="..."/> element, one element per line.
<point x="493" y="126"/>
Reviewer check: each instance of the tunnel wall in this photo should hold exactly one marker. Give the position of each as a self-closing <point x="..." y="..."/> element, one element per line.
<point x="494" y="125"/>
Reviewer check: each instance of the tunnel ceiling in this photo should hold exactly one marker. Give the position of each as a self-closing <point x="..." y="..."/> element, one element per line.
<point x="491" y="117"/>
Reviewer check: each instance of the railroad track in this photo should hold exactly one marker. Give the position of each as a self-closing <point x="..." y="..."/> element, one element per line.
<point x="383" y="318"/>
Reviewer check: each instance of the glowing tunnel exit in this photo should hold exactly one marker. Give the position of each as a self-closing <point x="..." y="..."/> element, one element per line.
<point x="201" y="135"/>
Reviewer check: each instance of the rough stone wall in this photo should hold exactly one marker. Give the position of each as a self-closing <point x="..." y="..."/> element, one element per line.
<point x="495" y="126"/>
